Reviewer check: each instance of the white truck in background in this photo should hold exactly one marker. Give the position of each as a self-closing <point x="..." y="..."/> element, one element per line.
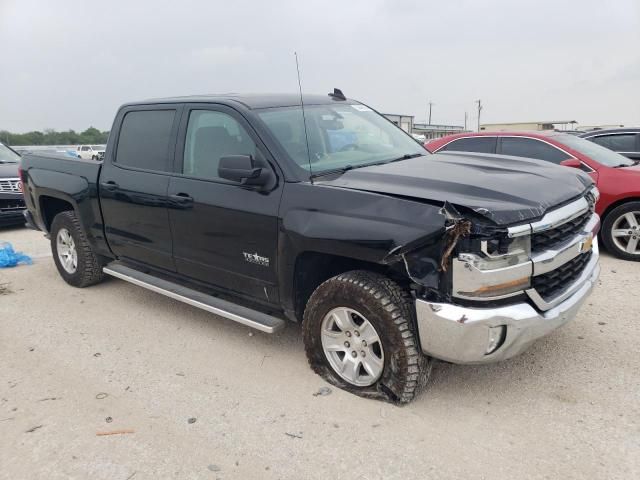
<point x="90" y="152"/>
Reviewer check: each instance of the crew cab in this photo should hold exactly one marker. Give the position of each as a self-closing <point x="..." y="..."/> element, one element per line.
<point x="90" y="152"/>
<point x="11" y="201"/>
<point x="318" y="210"/>
<point x="617" y="177"/>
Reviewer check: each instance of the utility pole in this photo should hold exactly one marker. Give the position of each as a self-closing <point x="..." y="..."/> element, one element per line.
<point x="430" y="105"/>
<point x="465" y="121"/>
<point x="479" y="102"/>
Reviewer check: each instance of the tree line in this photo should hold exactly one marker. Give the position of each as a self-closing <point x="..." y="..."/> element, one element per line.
<point x="91" y="136"/>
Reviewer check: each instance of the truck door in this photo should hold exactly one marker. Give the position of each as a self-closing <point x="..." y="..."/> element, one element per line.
<point x="133" y="185"/>
<point x="224" y="234"/>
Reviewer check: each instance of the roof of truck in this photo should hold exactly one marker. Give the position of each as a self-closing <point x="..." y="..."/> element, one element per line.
<point x="249" y="100"/>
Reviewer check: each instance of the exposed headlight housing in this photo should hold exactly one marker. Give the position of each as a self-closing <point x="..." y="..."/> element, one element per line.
<point x="501" y="268"/>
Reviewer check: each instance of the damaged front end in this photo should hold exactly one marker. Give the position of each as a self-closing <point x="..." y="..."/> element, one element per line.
<point x="484" y="292"/>
<point x="472" y="259"/>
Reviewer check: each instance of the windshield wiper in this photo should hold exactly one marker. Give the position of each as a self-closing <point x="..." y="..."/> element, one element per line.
<point x="346" y="168"/>
<point x="406" y="156"/>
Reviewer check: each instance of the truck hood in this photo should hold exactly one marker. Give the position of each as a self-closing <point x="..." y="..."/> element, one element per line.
<point x="8" y="170"/>
<point x="506" y="190"/>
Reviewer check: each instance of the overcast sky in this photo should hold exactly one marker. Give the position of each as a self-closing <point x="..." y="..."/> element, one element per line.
<point x="70" y="64"/>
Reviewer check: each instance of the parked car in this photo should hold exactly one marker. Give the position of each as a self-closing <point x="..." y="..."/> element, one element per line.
<point x="90" y="152"/>
<point x="617" y="177"/>
<point x="625" y="141"/>
<point x="232" y="205"/>
<point x="11" y="199"/>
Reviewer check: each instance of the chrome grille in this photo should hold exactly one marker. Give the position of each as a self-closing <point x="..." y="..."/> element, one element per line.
<point x="10" y="185"/>
<point x="547" y="239"/>
<point x="549" y="285"/>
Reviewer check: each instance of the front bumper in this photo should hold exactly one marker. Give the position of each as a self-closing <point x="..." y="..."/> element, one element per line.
<point x="461" y="335"/>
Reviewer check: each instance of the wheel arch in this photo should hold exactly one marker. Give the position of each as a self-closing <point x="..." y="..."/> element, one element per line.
<point x="313" y="268"/>
<point x="617" y="204"/>
<point x="50" y="206"/>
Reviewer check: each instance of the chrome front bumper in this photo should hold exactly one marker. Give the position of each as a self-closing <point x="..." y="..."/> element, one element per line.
<point x="461" y="335"/>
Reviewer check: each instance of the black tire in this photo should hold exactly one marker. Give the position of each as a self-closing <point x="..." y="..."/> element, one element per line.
<point x="607" y="231"/>
<point x="391" y="312"/>
<point x="89" y="267"/>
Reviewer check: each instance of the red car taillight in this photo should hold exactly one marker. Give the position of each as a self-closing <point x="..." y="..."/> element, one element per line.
<point x="21" y="175"/>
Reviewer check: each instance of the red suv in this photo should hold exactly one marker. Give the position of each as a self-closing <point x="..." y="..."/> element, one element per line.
<point x="617" y="177"/>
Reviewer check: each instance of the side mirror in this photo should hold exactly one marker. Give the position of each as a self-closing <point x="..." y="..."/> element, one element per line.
<point x="571" y="162"/>
<point x="243" y="169"/>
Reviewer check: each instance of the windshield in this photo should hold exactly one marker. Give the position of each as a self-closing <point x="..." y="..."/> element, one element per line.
<point x="7" y="155"/>
<point x="592" y="150"/>
<point x="340" y="136"/>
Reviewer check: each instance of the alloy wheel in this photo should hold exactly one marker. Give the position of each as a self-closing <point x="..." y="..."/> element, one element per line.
<point x="625" y="232"/>
<point x="67" y="253"/>
<point x="352" y="346"/>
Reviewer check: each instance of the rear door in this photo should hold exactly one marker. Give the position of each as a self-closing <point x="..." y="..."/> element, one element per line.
<point x="224" y="234"/>
<point x="134" y="182"/>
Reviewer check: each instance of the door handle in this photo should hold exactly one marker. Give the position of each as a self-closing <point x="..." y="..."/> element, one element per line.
<point x="182" y="199"/>
<point x="110" y="185"/>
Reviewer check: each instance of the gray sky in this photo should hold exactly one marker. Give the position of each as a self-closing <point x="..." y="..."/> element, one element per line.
<point x="70" y="64"/>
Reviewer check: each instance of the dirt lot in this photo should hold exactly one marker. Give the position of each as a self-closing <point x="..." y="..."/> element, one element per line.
<point x="208" y="398"/>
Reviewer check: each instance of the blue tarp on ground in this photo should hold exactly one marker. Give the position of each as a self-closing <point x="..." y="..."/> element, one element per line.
<point x="10" y="258"/>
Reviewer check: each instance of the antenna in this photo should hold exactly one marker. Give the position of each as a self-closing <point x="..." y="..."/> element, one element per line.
<point x="304" y="119"/>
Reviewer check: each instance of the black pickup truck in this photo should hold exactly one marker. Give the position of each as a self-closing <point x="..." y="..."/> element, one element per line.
<point x="264" y="208"/>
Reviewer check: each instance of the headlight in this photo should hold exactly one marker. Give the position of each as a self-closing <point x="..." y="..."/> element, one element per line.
<point x="500" y="253"/>
<point x="501" y="268"/>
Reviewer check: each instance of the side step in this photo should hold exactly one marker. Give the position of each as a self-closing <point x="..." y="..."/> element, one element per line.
<point x="237" y="313"/>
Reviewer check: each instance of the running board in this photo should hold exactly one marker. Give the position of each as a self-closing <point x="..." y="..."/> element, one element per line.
<point x="237" y="313"/>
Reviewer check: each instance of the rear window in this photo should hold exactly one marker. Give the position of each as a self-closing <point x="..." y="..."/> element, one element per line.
<point x="473" y="144"/>
<point x="145" y="138"/>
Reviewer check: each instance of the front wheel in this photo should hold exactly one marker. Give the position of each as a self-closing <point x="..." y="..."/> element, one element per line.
<point x="621" y="231"/>
<point x="359" y="335"/>
<point x="77" y="264"/>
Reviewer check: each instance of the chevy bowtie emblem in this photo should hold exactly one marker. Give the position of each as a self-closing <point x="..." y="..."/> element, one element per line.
<point x="587" y="244"/>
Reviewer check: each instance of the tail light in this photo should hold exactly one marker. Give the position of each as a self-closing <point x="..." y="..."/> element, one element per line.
<point x="21" y="176"/>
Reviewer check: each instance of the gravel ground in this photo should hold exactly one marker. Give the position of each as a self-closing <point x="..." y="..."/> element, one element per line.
<point x="208" y="398"/>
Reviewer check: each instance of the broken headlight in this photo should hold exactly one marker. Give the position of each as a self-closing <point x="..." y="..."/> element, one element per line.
<point x="500" y="253"/>
<point x="493" y="268"/>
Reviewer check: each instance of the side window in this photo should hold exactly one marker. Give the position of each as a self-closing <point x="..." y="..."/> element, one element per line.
<point x="531" y="148"/>
<point x="210" y="136"/>
<point x="145" y="138"/>
<point x="472" y="144"/>
<point x="617" y="143"/>
<point x="85" y="149"/>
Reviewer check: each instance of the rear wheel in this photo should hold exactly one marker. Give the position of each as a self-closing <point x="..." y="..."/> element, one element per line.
<point x="621" y="231"/>
<point x="359" y="335"/>
<point x="77" y="264"/>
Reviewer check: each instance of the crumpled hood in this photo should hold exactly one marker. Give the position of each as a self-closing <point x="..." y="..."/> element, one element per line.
<point x="507" y="190"/>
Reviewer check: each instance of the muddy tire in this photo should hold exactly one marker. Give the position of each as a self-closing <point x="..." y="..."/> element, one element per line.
<point x="354" y="306"/>
<point x="77" y="264"/>
<point x="621" y="231"/>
